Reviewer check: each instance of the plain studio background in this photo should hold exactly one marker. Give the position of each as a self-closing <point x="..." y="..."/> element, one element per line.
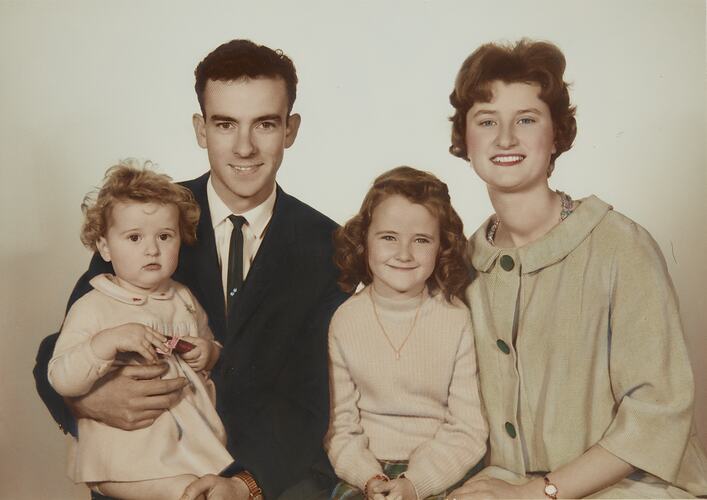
<point x="85" y="83"/>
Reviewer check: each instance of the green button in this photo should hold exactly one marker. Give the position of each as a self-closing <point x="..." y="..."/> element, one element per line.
<point x="503" y="346"/>
<point x="510" y="430"/>
<point x="507" y="262"/>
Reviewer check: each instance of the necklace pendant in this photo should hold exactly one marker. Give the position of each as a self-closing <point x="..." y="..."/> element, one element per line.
<point x="397" y="356"/>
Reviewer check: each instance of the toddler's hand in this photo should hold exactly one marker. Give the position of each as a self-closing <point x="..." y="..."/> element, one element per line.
<point x="203" y="356"/>
<point x="130" y="337"/>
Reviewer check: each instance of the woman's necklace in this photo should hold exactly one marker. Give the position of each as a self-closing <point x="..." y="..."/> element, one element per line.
<point x="385" y="334"/>
<point x="567" y="208"/>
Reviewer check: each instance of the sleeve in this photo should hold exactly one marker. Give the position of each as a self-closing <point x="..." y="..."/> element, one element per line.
<point x="283" y="444"/>
<point x="53" y="401"/>
<point x="74" y="367"/>
<point x="346" y="443"/>
<point x="460" y="442"/>
<point x="648" y="362"/>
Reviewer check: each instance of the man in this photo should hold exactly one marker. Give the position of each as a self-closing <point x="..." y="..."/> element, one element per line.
<point x="270" y="307"/>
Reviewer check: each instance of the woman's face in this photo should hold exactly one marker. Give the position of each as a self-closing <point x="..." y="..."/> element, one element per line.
<point x="510" y="139"/>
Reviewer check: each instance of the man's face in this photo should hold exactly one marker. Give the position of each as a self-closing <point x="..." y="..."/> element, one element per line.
<point x="245" y="131"/>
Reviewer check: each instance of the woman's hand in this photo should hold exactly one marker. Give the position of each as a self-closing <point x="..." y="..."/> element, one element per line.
<point x="204" y="354"/>
<point x="484" y="488"/>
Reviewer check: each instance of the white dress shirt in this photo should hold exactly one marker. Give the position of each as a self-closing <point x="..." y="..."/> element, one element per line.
<point x="257" y="220"/>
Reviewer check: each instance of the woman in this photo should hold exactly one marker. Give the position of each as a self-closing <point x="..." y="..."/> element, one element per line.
<point x="583" y="367"/>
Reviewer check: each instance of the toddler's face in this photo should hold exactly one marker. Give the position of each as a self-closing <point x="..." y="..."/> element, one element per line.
<point x="403" y="242"/>
<point x="142" y="243"/>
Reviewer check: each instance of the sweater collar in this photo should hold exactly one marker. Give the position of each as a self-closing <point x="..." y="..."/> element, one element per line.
<point x="105" y="284"/>
<point x="393" y="305"/>
<point x="551" y="248"/>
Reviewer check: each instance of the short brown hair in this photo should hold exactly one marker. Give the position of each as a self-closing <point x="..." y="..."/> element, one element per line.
<point x="243" y="59"/>
<point x="451" y="274"/>
<point x="131" y="181"/>
<point x="526" y="61"/>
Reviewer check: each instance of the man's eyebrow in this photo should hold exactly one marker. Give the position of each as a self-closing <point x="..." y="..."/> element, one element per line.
<point x="222" y="118"/>
<point x="271" y="117"/>
<point x="226" y="118"/>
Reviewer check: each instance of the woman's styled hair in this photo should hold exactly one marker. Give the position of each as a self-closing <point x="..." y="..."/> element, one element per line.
<point x="451" y="274"/>
<point x="526" y="61"/>
<point x="130" y="180"/>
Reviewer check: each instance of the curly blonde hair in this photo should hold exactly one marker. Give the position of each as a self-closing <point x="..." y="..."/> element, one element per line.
<point x="131" y="180"/>
<point x="451" y="274"/>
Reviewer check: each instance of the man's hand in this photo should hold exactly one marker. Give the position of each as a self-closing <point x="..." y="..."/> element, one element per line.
<point x="129" y="398"/>
<point x="217" y="488"/>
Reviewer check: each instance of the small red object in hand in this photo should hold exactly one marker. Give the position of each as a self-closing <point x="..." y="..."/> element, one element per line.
<point x="176" y="344"/>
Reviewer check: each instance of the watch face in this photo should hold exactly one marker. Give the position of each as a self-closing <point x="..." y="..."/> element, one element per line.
<point x="551" y="490"/>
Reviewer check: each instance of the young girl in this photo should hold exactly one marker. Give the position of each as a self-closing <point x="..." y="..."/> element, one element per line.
<point x="406" y="419"/>
<point x="137" y="223"/>
<point x="584" y="371"/>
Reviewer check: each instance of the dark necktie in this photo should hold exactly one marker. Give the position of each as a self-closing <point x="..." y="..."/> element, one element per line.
<point x="235" y="261"/>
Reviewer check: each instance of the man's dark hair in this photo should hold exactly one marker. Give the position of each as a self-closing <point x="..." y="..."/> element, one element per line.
<point x="240" y="59"/>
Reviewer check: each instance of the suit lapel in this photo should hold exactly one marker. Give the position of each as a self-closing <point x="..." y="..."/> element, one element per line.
<point x="267" y="265"/>
<point x="203" y="262"/>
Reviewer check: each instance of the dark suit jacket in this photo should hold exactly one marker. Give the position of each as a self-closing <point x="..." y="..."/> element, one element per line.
<point x="272" y="378"/>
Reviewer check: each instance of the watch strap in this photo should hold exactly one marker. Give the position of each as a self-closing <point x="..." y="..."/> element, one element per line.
<point x="254" y="491"/>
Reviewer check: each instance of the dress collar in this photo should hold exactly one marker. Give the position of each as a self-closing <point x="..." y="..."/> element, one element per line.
<point x="551" y="248"/>
<point x="257" y="217"/>
<point x="105" y="284"/>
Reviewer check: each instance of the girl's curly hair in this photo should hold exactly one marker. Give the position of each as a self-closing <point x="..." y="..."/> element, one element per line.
<point x="451" y="274"/>
<point x="130" y="180"/>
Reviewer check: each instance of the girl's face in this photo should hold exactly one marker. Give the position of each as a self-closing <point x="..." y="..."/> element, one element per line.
<point x="402" y="244"/>
<point x="510" y="140"/>
<point x="142" y="243"/>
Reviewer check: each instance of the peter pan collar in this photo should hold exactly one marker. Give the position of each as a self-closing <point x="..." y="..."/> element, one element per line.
<point x="551" y="248"/>
<point x="105" y="284"/>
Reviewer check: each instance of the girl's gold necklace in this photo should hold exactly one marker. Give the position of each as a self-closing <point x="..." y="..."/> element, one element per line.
<point x="385" y="334"/>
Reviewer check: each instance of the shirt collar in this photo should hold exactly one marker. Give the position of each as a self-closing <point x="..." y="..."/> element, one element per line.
<point x="257" y="217"/>
<point x="105" y="284"/>
<point x="551" y="248"/>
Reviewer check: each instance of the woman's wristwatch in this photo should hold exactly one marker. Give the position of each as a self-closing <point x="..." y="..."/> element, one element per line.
<point x="254" y="491"/>
<point x="550" y="489"/>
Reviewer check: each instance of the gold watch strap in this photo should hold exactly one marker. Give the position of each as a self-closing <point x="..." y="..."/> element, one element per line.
<point x="254" y="491"/>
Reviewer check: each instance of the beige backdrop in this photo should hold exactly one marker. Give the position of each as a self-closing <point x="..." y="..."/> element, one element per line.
<point x="85" y="83"/>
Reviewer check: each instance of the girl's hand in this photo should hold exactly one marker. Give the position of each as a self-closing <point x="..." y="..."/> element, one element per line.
<point x="484" y="488"/>
<point x="130" y="337"/>
<point x="397" y="489"/>
<point x="204" y="354"/>
<point x="372" y="486"/>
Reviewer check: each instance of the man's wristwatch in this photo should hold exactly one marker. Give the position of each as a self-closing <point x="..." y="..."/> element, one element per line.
<point x="254" y="491"/>
<point x="550" y="489"/>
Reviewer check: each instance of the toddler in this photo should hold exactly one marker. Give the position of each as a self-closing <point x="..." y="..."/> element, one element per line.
<point x="137" y="222"/>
